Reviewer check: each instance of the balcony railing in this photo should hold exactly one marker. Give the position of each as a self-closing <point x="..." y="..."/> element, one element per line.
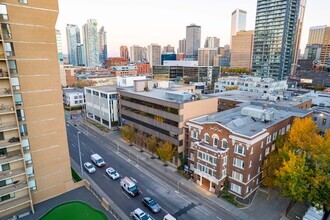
<point x="14" y="187"/>
<point x="5" y="92"/>
<point x="14" y="203"/>
<point x="11" y="174"/>
<point x="6" y="109"/>
<point x="3" y="74"/>
<point x="11" y="157"/>
<point x="8" y="126"/>
<point x="11" y="142"/>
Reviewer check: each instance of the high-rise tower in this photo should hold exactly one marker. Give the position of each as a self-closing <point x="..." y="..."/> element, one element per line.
<point x="193" y="41"/>
<point x="91" y="43"/>
<point x="73" y="40"/>
<point x="103" y="47"/>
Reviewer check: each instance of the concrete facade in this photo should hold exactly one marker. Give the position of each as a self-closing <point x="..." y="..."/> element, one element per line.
<point x="241" y="49"/>
<point x="206" y="56"/>
<point x="35" y="162"/>
<point x="73" y="97"/>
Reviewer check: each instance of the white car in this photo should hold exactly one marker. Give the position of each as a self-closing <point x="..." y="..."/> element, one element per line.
<point x="138" y="214"/>
<point x="89" y="167"/>
<point x="112" y="173"/>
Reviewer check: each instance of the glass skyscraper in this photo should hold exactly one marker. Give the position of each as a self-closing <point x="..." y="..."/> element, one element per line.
<point x="277" y="36"/>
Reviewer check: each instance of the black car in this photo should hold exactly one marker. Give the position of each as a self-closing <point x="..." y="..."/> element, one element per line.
<point x="151" y="204"/>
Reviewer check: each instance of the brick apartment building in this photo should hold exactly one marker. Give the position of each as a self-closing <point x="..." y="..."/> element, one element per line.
<point x="234" y="144"/>
<point x="116" y="61"/>
<point x="143" y="68"/>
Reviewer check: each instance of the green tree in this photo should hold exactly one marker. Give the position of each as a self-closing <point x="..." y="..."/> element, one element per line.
<point x="152" y="144"/>
<point x="166" y="151"/>
<point x="81" y="83"/>
<point x="128" y="133"/>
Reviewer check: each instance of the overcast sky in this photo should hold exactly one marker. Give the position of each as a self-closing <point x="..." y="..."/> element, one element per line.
<point x="143" y="22"/>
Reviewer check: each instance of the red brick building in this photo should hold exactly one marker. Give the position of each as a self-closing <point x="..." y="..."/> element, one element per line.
<point x="233" y="144"/>
<point x="116" y="61"/>
<point x="143" y="68"/>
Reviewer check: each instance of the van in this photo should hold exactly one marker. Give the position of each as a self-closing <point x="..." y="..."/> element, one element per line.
<point x="97" y="160"/>
<point x="169" y="217"/>
<point x="129" y="186"/>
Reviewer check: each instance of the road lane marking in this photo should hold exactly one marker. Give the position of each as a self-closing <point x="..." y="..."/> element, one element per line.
<point x="74" y="136"/>
<point x="165" y="211"/>
<point x="106" y="177"/>
<point x="125" y="194"/>
<point x="83" y="143"/>
<point x="219" y="218"/>
<point x="73" y="145"/>
<point x="82" y="154"/>
<point x="202" y="211"/>
<point x="91" y="151"/>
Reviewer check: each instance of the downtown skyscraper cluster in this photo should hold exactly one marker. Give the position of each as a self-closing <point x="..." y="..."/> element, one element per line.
<point x="93" y="51"/>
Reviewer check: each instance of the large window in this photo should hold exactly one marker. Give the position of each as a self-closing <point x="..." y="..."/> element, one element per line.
<point x="9" y="49"/>
<point x="215" y="141"/>
<point x="3" y="12"/>
<point x="237" y="176"/>
<point x="224" y="160"/>
<point x="23" y="130"/>
<point x="236" y="188"/>
<point x="18" y="99"/>
<point x="224" y="144"/>
<point x="207" y="138"/>
<point x="239" y="149"/>
<point x="206" y="169"/>
<point x="6" y="31"/>
<point x="238" y="163"/>
<point x="206" y="157"/>
<point x="194" y="134"/>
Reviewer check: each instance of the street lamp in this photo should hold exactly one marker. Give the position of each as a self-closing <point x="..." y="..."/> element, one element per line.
<point x="81" y="167"/>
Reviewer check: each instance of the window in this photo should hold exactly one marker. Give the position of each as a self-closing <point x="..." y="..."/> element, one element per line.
<point x="95" y="93"/>
<point x="269" y="139"/>
<point x="23" y="130"/>
<point x="4" y="167"/>
<point x="257" y="182"/>
<point x="206" y="138"/>
<point x="104" y="95"/>
<point x="29" y="171"/>
<point x="274" y="135"/>
<point x="224" y="144"/>
<point x="6" y="31"/>
<point x="12" y="66"/>
<point x="206" y="157"/>
<point x="235" y="188"/>
<point x="32" y="185"/>
<point x="315" y="118"/>
<point x="238" y="163"/>
<point x="249" y="176"/>
<point x="15" y="83"/>
<point x="267" y="151"/>
<point x="215" y="141"/>
<point x="3" y="12"/>
<point x="2" y="137"/>
<point x="206" y="169"/>
<point x="247" y="189"/>
<point x="237" y="176"/>
<point x="75" y="97"/>
<point x="18" y="99"/>
<point x="250" y="164"/>
<point x="6" y="197"/>
<point x="288" y="127"/>
<point x="324" y="121"/>
<point x="194" y="134"/>
<point x="23" y="1"/>
<point x="258" y="169"/>
<point x="26" y="144"/>
<point x="20" y="115"/>
<point x="262" y="144"/>
<point x="88" y="91"/>
<point x="9" y="49"/>
<point x="27" y="158"/>
<point x="239" y="149"/>
<point x="251" y="150"/>
<point x="260" y="157"/>
<point x="224" y="173"/>
<point x="283" y="130"/>
<point x="224" y="160"/>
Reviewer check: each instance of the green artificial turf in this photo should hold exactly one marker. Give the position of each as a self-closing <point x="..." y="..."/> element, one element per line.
<point x="74" y="211"/>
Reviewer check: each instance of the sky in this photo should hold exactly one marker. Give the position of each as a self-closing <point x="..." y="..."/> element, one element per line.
<point x="143" y="22"/>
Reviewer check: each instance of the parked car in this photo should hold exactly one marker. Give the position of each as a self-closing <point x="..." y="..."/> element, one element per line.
<point x="97" y="160"/>
<point x="151" y="204"/>
<point x="89" y="167"/>
<point x="169" y="217"/>
<point x="112" y="173"/>
<point x="138" y="214"/>
<point x="129" y="186"/>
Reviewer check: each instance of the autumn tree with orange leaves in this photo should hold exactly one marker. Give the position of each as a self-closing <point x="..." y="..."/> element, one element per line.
<point x="300" y="165"/>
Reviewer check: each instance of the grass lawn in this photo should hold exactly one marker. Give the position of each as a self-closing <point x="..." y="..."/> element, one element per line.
<point x="74" y="211"/>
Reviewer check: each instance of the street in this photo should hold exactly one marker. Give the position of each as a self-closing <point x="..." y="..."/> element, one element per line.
<point x="173" y="199"/>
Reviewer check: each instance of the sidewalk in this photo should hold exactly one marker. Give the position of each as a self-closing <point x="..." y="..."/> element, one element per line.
<point x="157" y="165"/>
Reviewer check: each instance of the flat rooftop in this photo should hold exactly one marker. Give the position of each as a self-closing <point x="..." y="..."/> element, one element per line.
<point x="159" y="94"/>
<point x="73" y="90"/>
<point x="318" y="98"/>
<point x="247" y="125"/>
<point x="105" y="89"/>
<point x="245" y="96"/>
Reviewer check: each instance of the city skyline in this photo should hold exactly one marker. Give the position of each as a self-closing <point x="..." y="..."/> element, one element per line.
<point x="214" y="22"/>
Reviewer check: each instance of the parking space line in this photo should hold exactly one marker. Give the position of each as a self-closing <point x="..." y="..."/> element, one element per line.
<point x="125" y="194"/>
<point x="73" y="145"/>
<point x="219" y="218"/>
<point x="83" y="143"/>
<point x="82" y="154"/>
<point x="106" y="177"/>
<point x="91" y="151"/>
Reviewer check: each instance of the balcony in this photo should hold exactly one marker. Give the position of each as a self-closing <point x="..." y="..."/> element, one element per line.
<point x="12" y="188"/>
<point x="10" y="143"/>
<point x="12" y="156"/>
<point x="6" y="109"/>
<point x="13" y="203"/>
<point x="11" y="174"/>
<point x="8" y="127"/>
<point x="5" y="92"/>
<point x="4" y="75"/>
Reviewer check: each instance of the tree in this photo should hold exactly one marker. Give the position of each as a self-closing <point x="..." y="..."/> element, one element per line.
<point x="166" y="151"/>
<point x="152" y="144"/>
<point x="128" y="133"/>
<point x="81" y="83"/>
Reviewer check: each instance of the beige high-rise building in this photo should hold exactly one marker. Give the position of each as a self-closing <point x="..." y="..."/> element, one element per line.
<point x="34" y="156"/>
<point x="241" y="49"/>
<point x="206" y="56"/>
<point x="316" y="34"/>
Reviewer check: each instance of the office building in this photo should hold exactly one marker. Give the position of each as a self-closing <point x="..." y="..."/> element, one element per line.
<point x="221" y="61"/>
<point x="73" y="40"/>
<point x="35" y="161"/>
<point x="186" y="74"/>
<point x="154" y="54"/>
<point x="167" y="56"/>
<point x="238" y="21"/>
<point x="136" y="53"/>
<point x="91" y="43"/>
<point x="313" y="52"/>
<point x="193" y="41"/>
<point x="276" y="37"/>
<point x="59" y="46"/>
<point x="143" y="68"/>
<point x="162" y="112"/>
<point x="316" y="34"/>
<point x="81" y="55"/>
<point x="103" y="47"/>
<point x="102" y="105"/>
<point x="232" y="145"/>
<point x="241" y="49"/>
<point x="182" y="46"/>
<point x="130" y="70"/>
<point x="212" y="42"/>
<point x="180" y="56"/>
<point x="73" y="97"/>
<point x="168" y="49"/>
<point x="206" y="56"/>
<point x="67" y="75"/>
<point x="124" y="52"/>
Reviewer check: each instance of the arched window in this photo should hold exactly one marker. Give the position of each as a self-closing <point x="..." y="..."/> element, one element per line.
<point x="224" y="144"/>
<point x="215" y="140"/>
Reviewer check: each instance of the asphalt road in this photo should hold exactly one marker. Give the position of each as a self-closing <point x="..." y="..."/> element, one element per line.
<point x="184" y="205"/>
